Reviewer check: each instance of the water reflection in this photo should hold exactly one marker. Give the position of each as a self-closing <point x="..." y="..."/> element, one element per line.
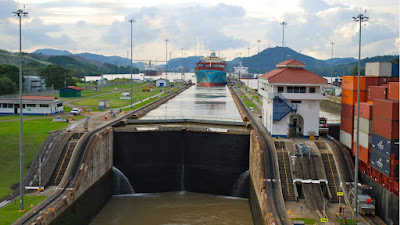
<point x="174" y="208"/>
<point x="211" y="103"/>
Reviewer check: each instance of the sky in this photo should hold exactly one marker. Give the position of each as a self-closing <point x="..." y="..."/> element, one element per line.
<point x="231" y="27"/>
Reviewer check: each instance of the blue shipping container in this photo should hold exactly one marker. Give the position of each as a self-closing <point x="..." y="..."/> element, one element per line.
<point x="395" y="70"/>
<point x="385" y="146"/>
<point x="380" y="162"/>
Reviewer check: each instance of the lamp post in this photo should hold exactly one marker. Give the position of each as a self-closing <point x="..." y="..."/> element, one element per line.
<point x="20" y="13"/>
<point x="166" y="60"/>
<point x="283" y="36"/>
<point x="359" y="18"/>
<point x="248" y="52"/>
<point x="258" y="45"/>
<point x="332" y="69"/>
<point x="131" y="21"/>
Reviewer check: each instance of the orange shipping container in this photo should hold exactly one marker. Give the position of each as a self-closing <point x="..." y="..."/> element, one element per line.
<point x="346" y="124"/>
<point x="350" y="97"/>
<point x="393" y="91"/>
<point x="350" y="83"/>
<point x="363" y="153"/>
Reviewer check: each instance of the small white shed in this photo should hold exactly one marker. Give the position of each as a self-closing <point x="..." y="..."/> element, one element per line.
<point x="162" y="83"/>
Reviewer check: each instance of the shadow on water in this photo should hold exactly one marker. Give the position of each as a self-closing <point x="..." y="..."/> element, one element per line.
<point x="241" y="186"/>
<point x="121" y="184"/>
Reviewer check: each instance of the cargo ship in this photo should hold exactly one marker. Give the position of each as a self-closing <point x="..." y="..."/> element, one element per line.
<point x="242" y="72"/>
<point x="378" y="122"/>
<point x="151" y="70"/>
<point x="211" y="71"/>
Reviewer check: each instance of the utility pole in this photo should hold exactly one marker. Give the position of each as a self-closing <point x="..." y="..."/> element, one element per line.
<point x="283" y="37"/>
<point x="131" y="21"/>
<point x="258" y="45"/>
<point x="21" y="13"/>
<point x="248" y="52"/>
<point x="332" y="69"/>
<point x="166" y="60"/>
<point x="359" y="18"/>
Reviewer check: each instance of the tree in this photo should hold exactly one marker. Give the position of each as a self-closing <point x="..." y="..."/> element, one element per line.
<point x="55" y="75"/>
<point x="354" y="71"/>
<point x="11" y="72"/>
<point x="7" y="86"/>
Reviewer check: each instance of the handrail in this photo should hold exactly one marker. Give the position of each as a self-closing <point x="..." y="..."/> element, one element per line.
<point x="62" y="163"/>
<point x="333" y="176"/>
<point x="284" y="165"/>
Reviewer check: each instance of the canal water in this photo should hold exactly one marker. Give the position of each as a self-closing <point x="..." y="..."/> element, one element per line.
<point x="174" y="208"/>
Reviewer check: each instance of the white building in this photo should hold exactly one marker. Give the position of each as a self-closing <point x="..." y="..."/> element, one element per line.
<point x="32" y="105"/>
<point x="162" y="83"/>
<point x="34" y="83"/>
<point x="291" y="98"/>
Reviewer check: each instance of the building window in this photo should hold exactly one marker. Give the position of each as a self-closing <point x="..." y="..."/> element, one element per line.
<point x="30" y="105"/>
<point x="296" y="89"/>
<point x="44" y="105"/>
<point x="59" y="104"/>
<point x="10" y="106"/>
<point x="4" y="105"/>
<point x="280" y="89"/>
<point x="302" y="89"/>
<point x="290" y="90"/>
<point x="312" y="89"/>
<point x="296" y="102"/>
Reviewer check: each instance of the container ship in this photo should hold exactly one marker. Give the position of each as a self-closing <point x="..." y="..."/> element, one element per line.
<point x="378" y="123"/>
<point x="151" y="70"/>
<point x="241" y="72"/>
<point x="211" y="71"/>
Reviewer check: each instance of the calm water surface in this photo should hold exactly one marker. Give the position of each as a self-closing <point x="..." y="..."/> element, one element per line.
<point x="174" y="208"/>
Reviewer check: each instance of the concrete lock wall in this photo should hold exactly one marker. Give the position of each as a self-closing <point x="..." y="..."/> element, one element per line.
<point x="92" y="188"/>
<point x="160" y="161"/>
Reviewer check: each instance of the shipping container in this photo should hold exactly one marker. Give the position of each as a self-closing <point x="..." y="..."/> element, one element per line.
<point x="380" y="162"/>
<point x="350" y="83"/>
<point x="377" y="92"/>
<point x="347" y="110"/>
<point x="365" y="125"/>
<point x="393" y="92"/>
<point x="395" y="70"/>
<point x="385" y="146"/>
<point x="388" y="109"/>
<point x="346" y="138"/>
<point x="372" y="81"/>
<point x="365" y="110"/>
<point x="363" y="153"/>
<point x="346" y="124"/>
<point x="364" y="139"/>
<point x="378" y="69"/>
<point x="385" y="128"/>
<point x="350" y="97"/>
<point x="386" y="80"/>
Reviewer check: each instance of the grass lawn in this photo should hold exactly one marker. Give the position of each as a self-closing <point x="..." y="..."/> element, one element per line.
<point x="249" y="103"/>
<point x="16" y="117"/>
<point x="348" y="221"/>
<point x="10" y="213"/>
<point x="306" y="220"/>
<point x="35" y="131"/>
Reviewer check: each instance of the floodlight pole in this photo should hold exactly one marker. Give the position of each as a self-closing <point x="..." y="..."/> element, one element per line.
<point x="258" y="45"/>
<point x="131" y="21"/>
<point x="360" y="18"/>
<point x="20" y="13"/>
<point x="283" y="37"/>
<point x="166" y="60"/>
<point x="332" y="69"/>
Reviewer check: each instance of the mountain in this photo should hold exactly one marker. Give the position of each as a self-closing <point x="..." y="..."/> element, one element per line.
<point x="188" y="63"/>
<point x="340" y="61"/>
<point x="52" y="52"/>
<point x="13" y="59"/>
<point x="116" y="60"/>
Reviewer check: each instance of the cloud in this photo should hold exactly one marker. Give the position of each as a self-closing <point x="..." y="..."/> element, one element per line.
<point x="6" y="8"/>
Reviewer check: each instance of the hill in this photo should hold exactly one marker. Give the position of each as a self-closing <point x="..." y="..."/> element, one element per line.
<point x="52" y="52"/>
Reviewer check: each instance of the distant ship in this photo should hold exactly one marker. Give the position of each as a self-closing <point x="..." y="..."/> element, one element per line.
<point x="151" y="70"/>
<point x="242" y="72"/>
<point x="211" y="71"/>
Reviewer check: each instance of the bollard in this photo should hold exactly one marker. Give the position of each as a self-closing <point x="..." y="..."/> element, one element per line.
<point x="105" y="118"/>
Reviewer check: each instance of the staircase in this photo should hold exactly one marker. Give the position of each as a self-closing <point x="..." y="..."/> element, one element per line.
<point x="285" y="175"/>
<point x="282" y="108"/>
<point x="63" y="161"/>
<point x="332" y="175"/>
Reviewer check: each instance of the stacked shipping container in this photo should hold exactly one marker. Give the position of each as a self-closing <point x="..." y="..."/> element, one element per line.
<point x="378" y="122"/>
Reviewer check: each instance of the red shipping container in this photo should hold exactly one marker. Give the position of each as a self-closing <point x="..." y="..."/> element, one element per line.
<point x="385" y="128"/>
<point x="393" y="91"/>
<point x="363" y="153"/>
<point x="386" y="80"/>
<point x="365" y="110"/>
<point x="376" y="92"/>
<point x="388" y="109"/>
<point x="372" y="81"/>
<point x="346" y="124"/>
<point x="347" y="111"/>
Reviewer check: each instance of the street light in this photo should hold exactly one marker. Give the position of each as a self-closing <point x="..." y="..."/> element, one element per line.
<point x="258" y="45"/>
<point x="283" y="36"/>
<point x="20" y="13"/>
<point x="166" y="61"/>
<point x="332" y="69"/>
<point x="359" y="18"/>
<point x="131" y="21"/>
